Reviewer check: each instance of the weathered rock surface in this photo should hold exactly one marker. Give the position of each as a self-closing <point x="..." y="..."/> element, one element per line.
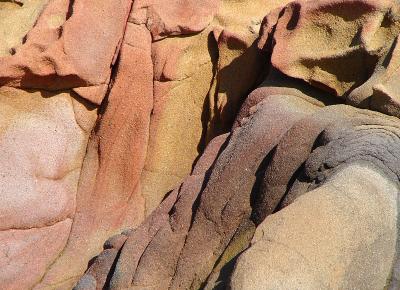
<point x="319" y="150"/>
<point x="195" y="125"/>
<point x="133" y="157"/>
<point x="339" y="236"/>
<point x="353" y="163"/>
<point x="349" y="48"/>
<point x="43" y="138"/>
<point x="200" y="82"/>
<point x="59" y="52"/>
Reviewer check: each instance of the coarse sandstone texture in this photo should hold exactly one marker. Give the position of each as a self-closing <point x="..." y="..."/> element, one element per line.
<point x="278" y="176"/>
<point x="349" y="49"/>
<point x="135" y="154"/>
<point x="71" y="45"/>
<point x="118" y="114"/>
<point x="339" y="236"/>
<point x="200" y="81"/>
<point x="332" y="170"/>
<point x="180" y="238"/>
<point x="43" y="138"/>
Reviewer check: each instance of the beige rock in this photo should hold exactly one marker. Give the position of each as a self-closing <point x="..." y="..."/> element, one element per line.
<point x="240" y="65"/>
<point x="339" y="236"/>
<point x="341" y="41"/>
<point x="200" y="83"/>
<point x="16" y="19"/>
<point x="183" y="72"/>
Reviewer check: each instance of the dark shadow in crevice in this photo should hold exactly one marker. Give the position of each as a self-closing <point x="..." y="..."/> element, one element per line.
<point x="206" y="114"/>
<point x="104" y="104"/>
<point x="70" y="10"/>
<point x="112" y="270"/>
<point x="294" y="19"/>
<point x="255" y="195"/>
<point x="15" y="2"/>
<point x="225" y="273"/>
<point x="207" y="176"/>
<point x="389" y="55"/>
<point x="240" y="70"/>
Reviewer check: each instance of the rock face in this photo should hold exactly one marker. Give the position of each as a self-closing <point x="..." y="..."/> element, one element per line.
<point x="126" y="60"/>
<point x="327" y="239"/>
<point x="43" y="143"/>
<point x="205" y="144"/>
<point x="339" y="184"/>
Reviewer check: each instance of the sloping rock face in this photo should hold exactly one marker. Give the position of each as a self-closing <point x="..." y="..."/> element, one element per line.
<point x="339" y="192"/>
<point x="314" y="179"/>
<point x="220" y="144"/>
<point x="128" y="68"/>
<point x="327" y="239"/>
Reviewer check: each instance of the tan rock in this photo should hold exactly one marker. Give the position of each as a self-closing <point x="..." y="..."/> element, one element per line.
<point x="200" y="82"/>
<point x="341" y="41"/>
<point x="182" y="72"/>
<point x="16" y="19"/>
<point x="339" y="236"/>
<point x="240" y="66"/>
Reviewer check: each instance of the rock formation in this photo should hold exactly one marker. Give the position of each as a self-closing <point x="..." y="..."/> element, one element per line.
<point x="213" y="144"/>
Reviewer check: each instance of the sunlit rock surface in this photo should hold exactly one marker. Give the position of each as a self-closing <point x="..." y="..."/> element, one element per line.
<point x="217" y="144"/>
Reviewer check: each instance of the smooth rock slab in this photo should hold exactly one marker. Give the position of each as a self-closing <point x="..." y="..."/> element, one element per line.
<point x="339" y="236"/>
<point x="43" y="138"/>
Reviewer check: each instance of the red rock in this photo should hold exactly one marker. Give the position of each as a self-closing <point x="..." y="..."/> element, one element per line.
<point x="109" y="196"/>
<point x="77" y="52"/>
<point x="168" y="76"/>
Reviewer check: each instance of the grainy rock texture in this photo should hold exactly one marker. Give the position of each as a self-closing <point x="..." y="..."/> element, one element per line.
<point x="216" y="144"/>
<point x="327" y="238"/>
<point x="152" y="88"/>
<point x="339" y="174"/>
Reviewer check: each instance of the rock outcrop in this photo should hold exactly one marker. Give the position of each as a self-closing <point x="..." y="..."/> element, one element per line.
<point x="327" y="238"/>
<point x="339" y="173"/>
<point x="220" y="144"/>
<point x="128" y="61"/>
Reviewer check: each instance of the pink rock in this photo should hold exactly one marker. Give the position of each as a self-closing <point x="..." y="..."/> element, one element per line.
<point x="25" y="255"/>
<point x="173" y="17"/>
<point x="109" y="196"/>
<point x="76" y="53"/>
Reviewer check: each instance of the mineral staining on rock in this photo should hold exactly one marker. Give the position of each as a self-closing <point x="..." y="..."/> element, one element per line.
<point x="205" y="145"/>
